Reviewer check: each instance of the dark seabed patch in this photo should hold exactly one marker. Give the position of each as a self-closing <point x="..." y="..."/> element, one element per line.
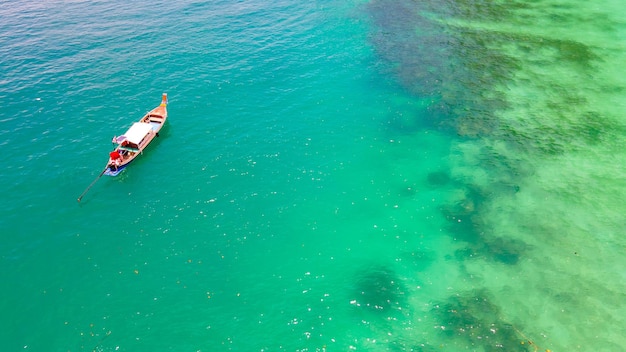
<point x="451" y="67"/>
<point x="500" y="249"/>
<point x="466" y="223"/>
<point x="438" y="178"/>
<point x="464" y="71"/>
<point x="379" y="290"/>
<point x="472" y="319"/>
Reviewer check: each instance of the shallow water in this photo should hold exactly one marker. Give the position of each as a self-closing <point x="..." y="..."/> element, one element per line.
<point x="383" y="175"/>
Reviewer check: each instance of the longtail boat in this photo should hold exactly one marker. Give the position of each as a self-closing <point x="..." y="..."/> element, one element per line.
<point x="132" y="143"/>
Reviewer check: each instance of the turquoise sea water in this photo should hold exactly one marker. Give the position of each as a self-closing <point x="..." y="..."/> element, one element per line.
<point x="365" y="175"/>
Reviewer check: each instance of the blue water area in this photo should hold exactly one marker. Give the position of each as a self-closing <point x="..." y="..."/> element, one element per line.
<point x="333" y="176"/>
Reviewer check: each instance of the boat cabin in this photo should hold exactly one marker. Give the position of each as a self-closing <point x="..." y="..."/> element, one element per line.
<point x="133" y="139"/>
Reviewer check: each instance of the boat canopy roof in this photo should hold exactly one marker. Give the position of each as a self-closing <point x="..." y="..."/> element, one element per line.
<point x="135" y="133"/>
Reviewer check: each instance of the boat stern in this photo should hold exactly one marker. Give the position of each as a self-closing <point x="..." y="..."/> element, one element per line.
<point x="114" y="171"/>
